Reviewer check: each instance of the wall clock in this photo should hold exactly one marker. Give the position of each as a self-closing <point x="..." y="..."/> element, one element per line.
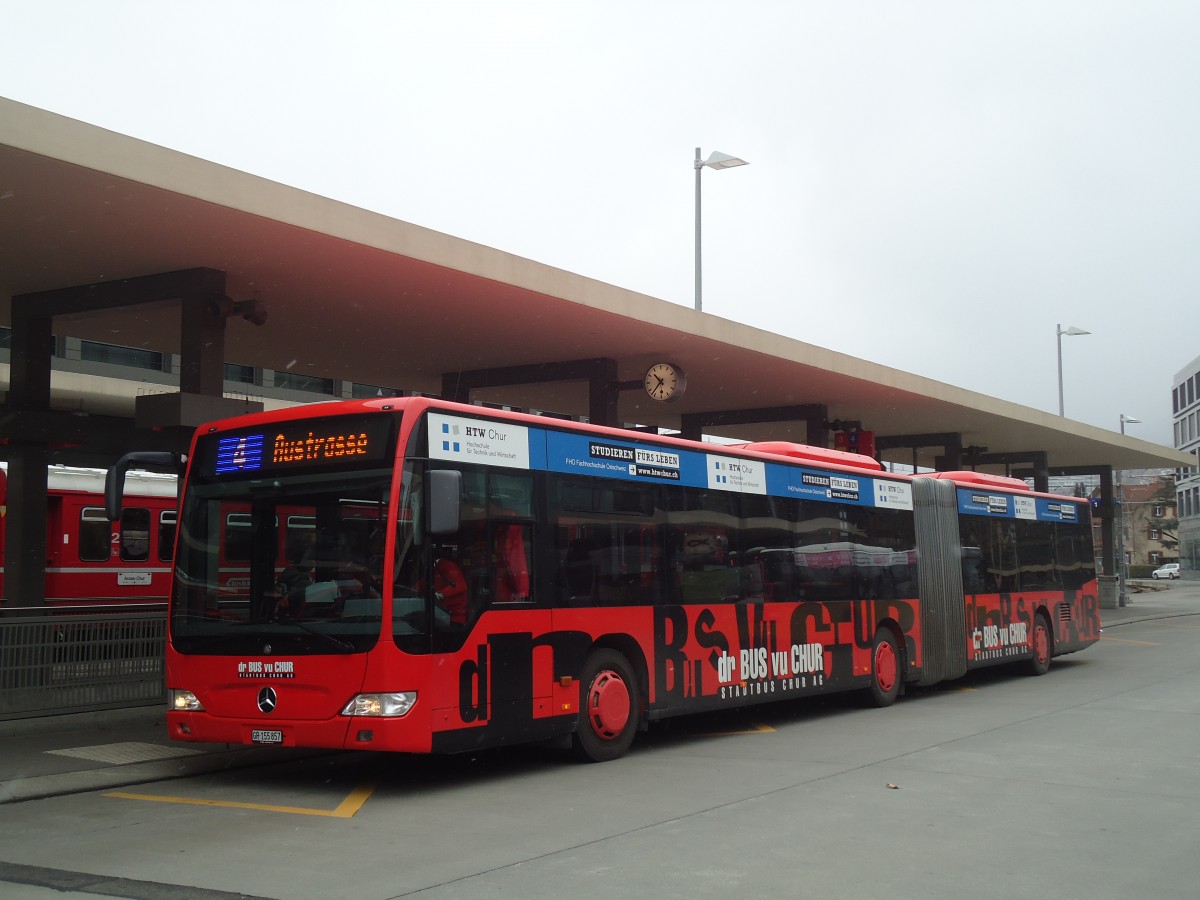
<point x="665" y="381"/>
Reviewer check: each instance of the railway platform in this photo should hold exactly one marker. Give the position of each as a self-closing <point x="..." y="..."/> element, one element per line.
<point x="56" y="755"/>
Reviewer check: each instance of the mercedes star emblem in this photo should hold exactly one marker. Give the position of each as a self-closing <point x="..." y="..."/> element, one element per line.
<point x="267" y="699"/>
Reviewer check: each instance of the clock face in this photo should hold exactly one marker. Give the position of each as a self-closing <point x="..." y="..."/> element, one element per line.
<point x="665" y="381"/>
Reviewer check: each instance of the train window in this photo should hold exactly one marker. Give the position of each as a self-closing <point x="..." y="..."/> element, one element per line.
<point x="95" y="534"/>
<point x="238" y="537"/>
<point x="300" y="539"/>
<point x="166" y="534"/>
<point x="135" y="534"/>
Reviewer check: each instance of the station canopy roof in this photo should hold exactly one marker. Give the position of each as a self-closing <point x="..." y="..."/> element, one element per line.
<point x="358" y="296"/>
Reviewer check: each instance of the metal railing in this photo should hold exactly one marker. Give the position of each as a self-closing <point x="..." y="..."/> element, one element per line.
<point x="76" y="659"/>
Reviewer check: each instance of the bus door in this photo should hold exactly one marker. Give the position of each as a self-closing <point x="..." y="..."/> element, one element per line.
<point x="490" y="627"/>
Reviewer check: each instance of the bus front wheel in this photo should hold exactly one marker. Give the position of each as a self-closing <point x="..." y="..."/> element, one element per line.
<point x="608" y="708"/>
<point x="886" y="673"/>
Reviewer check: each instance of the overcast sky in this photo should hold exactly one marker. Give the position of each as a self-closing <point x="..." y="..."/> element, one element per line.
<point x="933" y="186"/>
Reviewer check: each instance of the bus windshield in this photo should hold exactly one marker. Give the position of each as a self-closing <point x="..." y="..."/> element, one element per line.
<point x="293" y="561"/>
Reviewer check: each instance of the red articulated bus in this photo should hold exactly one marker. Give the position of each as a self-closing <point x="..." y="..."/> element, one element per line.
<point x="90" y="559"/>
<point x="424" y="576"/>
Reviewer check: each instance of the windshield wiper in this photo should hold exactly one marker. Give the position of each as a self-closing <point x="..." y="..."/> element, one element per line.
<point x="345" y="646"/>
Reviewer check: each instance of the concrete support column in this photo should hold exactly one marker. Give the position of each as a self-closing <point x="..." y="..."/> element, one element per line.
<point x="25" y="555"/>
<point x="1110" y="588"/>
<point x="202" y="340"/>
<point x="603" y="393"/>
<point x="25" y="518"/>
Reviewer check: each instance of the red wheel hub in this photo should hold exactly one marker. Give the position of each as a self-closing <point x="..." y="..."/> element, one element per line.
<point x="608" y="705"/>
<point x="1041" y="643"/>
<point x="885" y="666"/>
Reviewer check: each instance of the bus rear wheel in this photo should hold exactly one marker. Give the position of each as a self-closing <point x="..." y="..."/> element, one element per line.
<point x="608" y="708"/>
<point x="1043" y="646"/>
<point x="886" y="673"/>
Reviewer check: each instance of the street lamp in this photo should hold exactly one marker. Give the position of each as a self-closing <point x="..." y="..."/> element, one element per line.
<point x="1070" y="331"/>
<point x="715" y="160"/>
<point x="1122" y="598"/>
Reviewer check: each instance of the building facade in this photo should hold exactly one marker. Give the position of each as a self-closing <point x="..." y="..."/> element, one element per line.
<point x="1146" y="534"/>
<point x="1147" y="513"/>
<point x="1185" y="403"/>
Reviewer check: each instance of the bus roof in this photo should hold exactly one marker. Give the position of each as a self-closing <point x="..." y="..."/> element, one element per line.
<point x="785" y="449"/>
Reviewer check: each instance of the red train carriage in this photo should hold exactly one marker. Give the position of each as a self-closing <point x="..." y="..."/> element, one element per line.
<point x="90" y="559"/>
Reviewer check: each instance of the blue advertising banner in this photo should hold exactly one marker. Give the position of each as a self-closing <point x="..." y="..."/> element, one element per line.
<point x="977" y="502"/>
<point x="469" y="440"/>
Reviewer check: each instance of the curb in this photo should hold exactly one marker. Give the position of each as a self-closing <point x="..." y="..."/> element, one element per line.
<point x="1148" y="617"/>
<point x="40" y="787"/>
<point x="97" y="720"/>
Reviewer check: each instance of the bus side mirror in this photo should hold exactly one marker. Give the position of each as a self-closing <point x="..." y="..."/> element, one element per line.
<point x="445" y="493"/>
<point x="114" y="480"/>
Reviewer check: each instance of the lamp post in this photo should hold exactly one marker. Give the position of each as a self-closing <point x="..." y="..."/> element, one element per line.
<point x="715" y="160"/>
<point x="1122" y="597"/>
<point x="1070" y="331"/>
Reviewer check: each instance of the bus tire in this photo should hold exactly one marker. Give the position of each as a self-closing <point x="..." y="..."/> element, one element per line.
<point x="608" y="708"/>
<point x="1043" y="646"/>
<point x="886" y="671"/>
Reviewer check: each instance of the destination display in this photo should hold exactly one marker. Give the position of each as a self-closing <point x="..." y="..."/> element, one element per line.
<point x="335" y="442"/>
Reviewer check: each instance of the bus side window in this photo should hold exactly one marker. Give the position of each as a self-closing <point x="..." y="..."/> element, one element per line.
<point x="768" y="528"/>
<point x="1004" y="569"/>
<point x="605" y="541"/>
<point x="510" y="499"/>
<point x="1036" y="547"/>
<point x="1073" y="554"/>
<point x="489" y="560"/>
<point x="578" y="568"/>
<point x="700" y="524"/>
<point x="511" y="543"/>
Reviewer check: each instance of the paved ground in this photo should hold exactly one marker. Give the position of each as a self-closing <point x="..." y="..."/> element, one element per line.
<point x="75" y="755"/>
<point x="46" y="757"/>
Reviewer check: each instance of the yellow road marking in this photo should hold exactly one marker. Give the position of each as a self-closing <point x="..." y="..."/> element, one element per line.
<point x="345" y="810"/>
<point x="753" y="729"/>
<point x="1105" y="637"/>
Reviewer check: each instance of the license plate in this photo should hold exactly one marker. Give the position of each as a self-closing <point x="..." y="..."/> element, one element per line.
<point x="258" y="736"/>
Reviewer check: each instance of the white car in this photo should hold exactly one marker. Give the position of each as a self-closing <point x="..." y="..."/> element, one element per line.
<point x="1170" y="570"/>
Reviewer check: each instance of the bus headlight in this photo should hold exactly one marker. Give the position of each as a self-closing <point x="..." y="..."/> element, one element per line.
<point x="183" y="701"/>
<point x="392" y="705"/>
